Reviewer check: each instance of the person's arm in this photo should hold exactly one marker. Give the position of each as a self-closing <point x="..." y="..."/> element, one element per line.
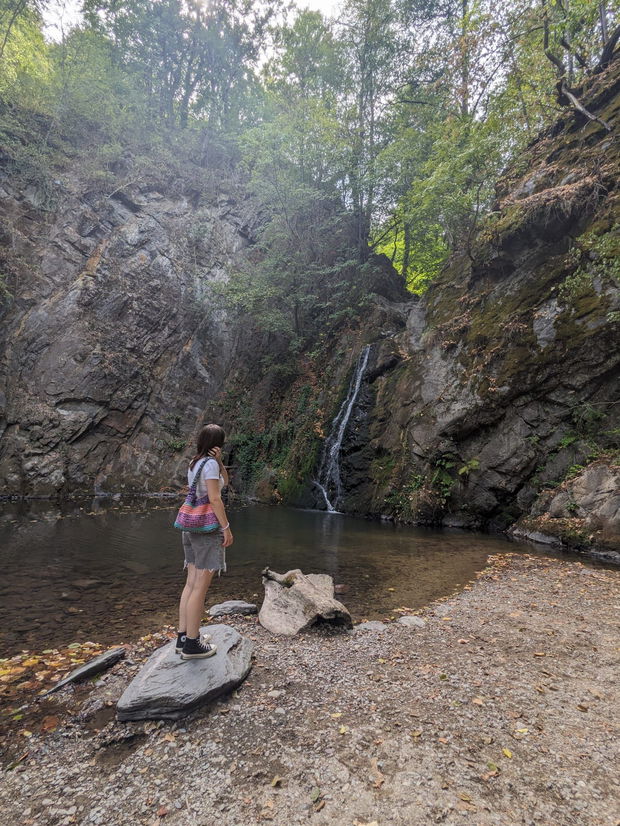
<point x="215" y="498"/>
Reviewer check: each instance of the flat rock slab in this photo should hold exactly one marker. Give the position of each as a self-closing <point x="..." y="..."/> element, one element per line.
<point x="89" y="669"/>
<point x="232" y="606"/>
<point x="167" y="687"/>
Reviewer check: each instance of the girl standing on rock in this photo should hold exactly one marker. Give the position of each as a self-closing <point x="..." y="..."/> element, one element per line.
<point x="204" y="552"/>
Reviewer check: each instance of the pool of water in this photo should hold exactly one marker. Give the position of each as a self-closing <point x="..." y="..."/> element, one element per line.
<point x="110" y="574"/>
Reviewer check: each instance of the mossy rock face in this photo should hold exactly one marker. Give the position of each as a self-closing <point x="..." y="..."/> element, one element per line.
<point x="510" y="342"/>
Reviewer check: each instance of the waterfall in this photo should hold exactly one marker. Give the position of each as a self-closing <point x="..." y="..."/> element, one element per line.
<point x="329" y="470"/>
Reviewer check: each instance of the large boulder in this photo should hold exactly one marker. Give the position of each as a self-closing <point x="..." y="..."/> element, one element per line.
<point x="583" y="513"/>
<point x="295" y="601"/>
<point x="167" y="687"/>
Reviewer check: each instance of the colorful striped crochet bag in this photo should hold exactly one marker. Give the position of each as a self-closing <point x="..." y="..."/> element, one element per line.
<point x="196" y="515"/>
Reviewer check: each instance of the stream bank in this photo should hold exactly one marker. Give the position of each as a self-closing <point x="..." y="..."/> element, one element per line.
<point x="500" y="710"/>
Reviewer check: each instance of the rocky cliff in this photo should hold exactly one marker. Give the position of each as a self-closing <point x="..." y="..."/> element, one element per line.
<point x="505" y="380"/>
<point x="111" y="348"/>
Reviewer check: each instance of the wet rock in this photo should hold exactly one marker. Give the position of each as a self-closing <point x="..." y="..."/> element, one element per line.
<point x="232" y="606"/>
<point x="92" y="667"/>
<point x="168" y="688"/>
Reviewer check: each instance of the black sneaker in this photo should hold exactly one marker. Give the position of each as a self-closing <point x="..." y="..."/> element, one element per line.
<point x="196" y="649"/>
<point x="181" y="637"/>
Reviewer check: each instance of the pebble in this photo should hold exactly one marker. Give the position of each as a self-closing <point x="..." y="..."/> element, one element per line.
<point x="412" y="622"/>
<point x="373" y="625"/>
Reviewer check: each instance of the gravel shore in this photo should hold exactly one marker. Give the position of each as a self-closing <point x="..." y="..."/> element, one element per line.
<point x="503" y="709"/>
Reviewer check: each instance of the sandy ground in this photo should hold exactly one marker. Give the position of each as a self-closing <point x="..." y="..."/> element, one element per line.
<point x="502" y="710"/>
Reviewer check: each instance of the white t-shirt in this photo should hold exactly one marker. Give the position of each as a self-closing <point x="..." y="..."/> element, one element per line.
<point x="211" y="470"/>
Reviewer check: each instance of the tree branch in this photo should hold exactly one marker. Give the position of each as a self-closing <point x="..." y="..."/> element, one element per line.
<point x="564" y="91"/>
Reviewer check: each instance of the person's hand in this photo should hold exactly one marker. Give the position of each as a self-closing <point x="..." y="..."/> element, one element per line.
<point x="227" y="537"/>
<point x="216" y="453"/>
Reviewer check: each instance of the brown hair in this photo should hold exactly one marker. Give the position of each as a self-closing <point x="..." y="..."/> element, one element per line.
<point x="211" y="435"/>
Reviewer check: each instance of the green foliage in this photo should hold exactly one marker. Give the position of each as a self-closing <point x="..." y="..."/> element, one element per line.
<point x="25" y="67"/>
<point x="595" y="256"/>
<point x="177" y="445"/>
<point x="586" y="418"/>
<point x="470" y="464"/>
<point x="574" y="470"/>
<point x="401" y="502"/>
<point x="441" y="478"/>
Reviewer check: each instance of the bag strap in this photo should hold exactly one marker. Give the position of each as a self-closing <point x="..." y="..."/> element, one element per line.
<point x="194" y="485"/>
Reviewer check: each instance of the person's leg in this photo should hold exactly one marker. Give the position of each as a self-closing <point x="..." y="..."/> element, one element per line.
<point x="194" y="646"/>
<point x="195" y="604"/>
<point x="187" y="590"/>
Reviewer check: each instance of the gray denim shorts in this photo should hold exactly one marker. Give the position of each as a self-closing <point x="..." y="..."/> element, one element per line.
<point x="205" y="551"/>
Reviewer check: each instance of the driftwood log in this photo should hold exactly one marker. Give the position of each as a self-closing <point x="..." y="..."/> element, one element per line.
<point x="295" y="601"/>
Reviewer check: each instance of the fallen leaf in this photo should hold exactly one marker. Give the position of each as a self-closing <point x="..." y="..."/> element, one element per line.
<point x="464" y="796"/>
<point x="169" y="737"/>
<point x="416" y="733"/>
<point x="507" y="753"/>
<point x="315" y="794"/>
<point x="336" y="714"/>
<point x="277" y="780"/>
<point x="318" y="806"/>
<point x="539" y="654"/>
<point x="478" y="701"/>
<point x="379" y="776"/>
<point x="343" y="730"/>
<point x="49" y="723"/>
<point x="582" y="707"/>
<point x="162" y="811"/>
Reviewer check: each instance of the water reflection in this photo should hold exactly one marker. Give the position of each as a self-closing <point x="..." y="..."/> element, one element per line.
<point x="100" y="571"/>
